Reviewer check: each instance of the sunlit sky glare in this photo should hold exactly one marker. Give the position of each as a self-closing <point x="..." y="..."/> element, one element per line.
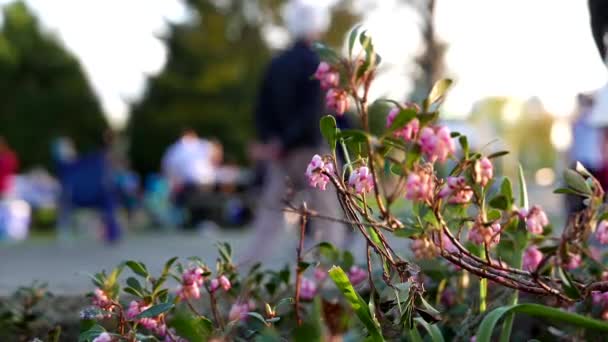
<point x="517" y="48"/>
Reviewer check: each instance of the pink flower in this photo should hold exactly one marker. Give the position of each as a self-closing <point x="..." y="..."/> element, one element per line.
<point x="327" y="77"/>
<point x="601" y="234"/>
<point x="192" y="291"/>
<point x="224" y="283"/>
<point x="356" y="275"/>
<point x="103" y="337"/>
<point x="436" y="143"/>
<point x="535" y="218"/>
<point x="532" y="258"/>
<point x="420" y="186"/>
<point x="574" y="261"/>
<point x="337" y="100"/>
<point x="314" y="172"/>
<point x="457" y="190"/>
<point x="361" y="180"/>
<point x="599" y="298"/>
<point x="485" y="233"/>
<point x="407" y="132"/>
<point x="484" y="171"/>
<point x="101" y="300"/>
<point x="238" y="311"/>
<point x="218" y="282"/>
<point x="193" y="275"/>
<point x="135" y="308"/>
<point x="320" y="274"/>
<point x="308" y="289"/>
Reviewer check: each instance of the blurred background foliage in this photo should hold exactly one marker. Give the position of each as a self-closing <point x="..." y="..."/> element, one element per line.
<point x="209" y="83"/>
<point x="45" y="92"/>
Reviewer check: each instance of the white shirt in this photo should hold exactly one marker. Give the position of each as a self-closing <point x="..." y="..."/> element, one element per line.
<point x="190" y="161"/>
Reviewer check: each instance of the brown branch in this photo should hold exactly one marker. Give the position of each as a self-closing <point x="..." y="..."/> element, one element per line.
<point x="299" y="269"/>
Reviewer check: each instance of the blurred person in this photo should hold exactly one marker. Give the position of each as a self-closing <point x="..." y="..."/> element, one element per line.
<point x="8" y="167"/>
<point x="287" y="117"/>
<point x="586" y="146"/>
<point x="87" y="182"/>
<point x="190" y="166"/>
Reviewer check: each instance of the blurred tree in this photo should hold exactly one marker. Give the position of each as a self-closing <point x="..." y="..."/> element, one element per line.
<point x="44" y="91"/>
<point x="430" y="62"/>
<point x="211" y="78"/>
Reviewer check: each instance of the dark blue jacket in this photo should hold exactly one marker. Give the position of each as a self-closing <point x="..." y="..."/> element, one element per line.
<point x="290" y="101"/>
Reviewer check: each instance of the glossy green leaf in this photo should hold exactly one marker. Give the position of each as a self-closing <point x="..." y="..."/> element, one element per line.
<point x="156" y="310"/>
<point x="484" y="332"/>
<point x="353" y="135"/>
<point x="498" y="154"/>
<point x="138" y="268"/>
<point x="575" y="181"/>
<point x="464" y="143"/>
<point x="431" y="329"/>
<point x="523" y="189"/>
<point x="403" y="117"/>
<point x="569" y="288"/>
<point x="352" y="38"/>
<point x="329" y="130"/>
<point x="359" y="306"/>
<point x="499" y="202"/>
<point x="437" y="94"/>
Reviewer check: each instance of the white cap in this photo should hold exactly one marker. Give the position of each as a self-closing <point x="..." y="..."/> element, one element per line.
<point x="304" y="18"/>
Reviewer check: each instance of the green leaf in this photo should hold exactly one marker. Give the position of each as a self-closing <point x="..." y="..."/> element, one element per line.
<point x="569" y="288"/>
<point x="567" y="191"/>
<point x="493" y="215"/>
<point x="325" y="53"/>
<point x="353" y="135"/>
<point x="425" y="118"/>
<point x="359" y="306"/>
<point x="257" y="316"/>
<point x="138" y="268"/>
<point x="523" y="189"/>
<point x="433" y="331"/>
<point x="498" y="154"/>
<point x="352" y="38"/>
<point x="577" y="182"/>
<point x="408" y="232"/>
<point x="437" y="94"/>
<point x="225" y="251"/>
<point x="582" y="170"/>
<point x="484" y="332"/>
<point x="133" y="292"/>
<point x="329" y="130"/>
<point x="347" y="260"/>
<point x="499" y="202"/>
<point x="168" y="265"/>
<point x="156" y="310"/>
<point x="91" y="333"/>
<point x="464" y="142"/>
<point x="134" y="283"/>
<point x="507" y="190"/>
<point x="403" y="118"/>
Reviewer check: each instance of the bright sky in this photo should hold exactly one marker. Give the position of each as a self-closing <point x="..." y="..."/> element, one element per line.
<point x="516" y="48"/>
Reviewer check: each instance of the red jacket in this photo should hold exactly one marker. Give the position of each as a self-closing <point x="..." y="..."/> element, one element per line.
<point x="8" y="167"/>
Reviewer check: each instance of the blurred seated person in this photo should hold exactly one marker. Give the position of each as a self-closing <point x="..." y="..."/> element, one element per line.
<point x="191" y="165"/>
<point x="86" y="182"/>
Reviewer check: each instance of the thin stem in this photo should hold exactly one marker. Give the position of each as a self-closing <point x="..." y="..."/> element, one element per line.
<point x="299" y="269"/>
<point x="214" y="309"/>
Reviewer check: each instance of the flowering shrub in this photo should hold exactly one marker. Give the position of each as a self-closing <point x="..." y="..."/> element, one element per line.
<point x="476" y="247"/>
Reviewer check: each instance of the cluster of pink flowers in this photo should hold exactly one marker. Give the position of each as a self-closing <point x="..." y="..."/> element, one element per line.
<point x="485" y="233"/>
<point x="239" y="310"/>
<point x="356" y="275"/>
<point x="457" y="190"/>
<point x="532" y="258"/>
<point x="221" y="281"/>
<point x="536" y="219"/>
<point x="101" y="300"/>
<point x="361" y="180"/>
<point x="483" y="171"/>
<point x="328" y="77"/>
<point x="601" y="234"/>
<point x="192" y="280"/>
<point x="103" y="337"/>
<point x="308" y="289"/>
<point x="601" y="299"/>
<point x="436" y="143"/>
<point x="337" y="100"/>
<point x="154" y="324"/>
<point x="420" y="185"/>
<point x="320" y="274"/>
<point x="409" y="131"/>
<point x="314" y="172"/>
